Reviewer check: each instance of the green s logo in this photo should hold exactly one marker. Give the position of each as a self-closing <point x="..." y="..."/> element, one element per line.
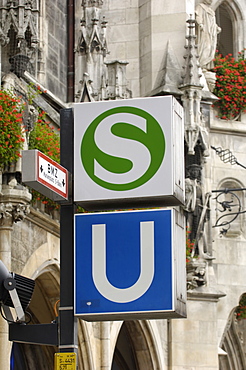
<point x="123" y="148"/>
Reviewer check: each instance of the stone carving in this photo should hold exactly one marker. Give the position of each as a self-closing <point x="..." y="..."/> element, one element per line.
<point x="98" y="79"/>
<point x="20" y="22"/>
<point x="3" y="38"/>
<point x="15" y="211"/>
<point x="207" y="31"/>
<point x="117" y="83"/>
<point x="196" y="210"/>
<point x="97" y="3"/>
<point x="20" y="211"/>
<point x="6" y="210"/>
<point x="92" y="49"/>
<point x="32" y="116"/>
<point x="196" y="274"/>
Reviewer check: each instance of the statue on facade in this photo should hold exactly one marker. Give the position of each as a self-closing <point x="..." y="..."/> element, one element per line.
<point x="196" y="210"/>
<point x="207" y="31"/>
<point x="196" y="274"/>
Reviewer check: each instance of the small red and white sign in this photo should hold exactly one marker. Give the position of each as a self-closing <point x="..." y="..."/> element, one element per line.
<point x="43" y="174"/>
<point x="52" y="175"/>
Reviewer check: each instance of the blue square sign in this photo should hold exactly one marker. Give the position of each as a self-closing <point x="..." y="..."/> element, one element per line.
<point x="124" y="265"/>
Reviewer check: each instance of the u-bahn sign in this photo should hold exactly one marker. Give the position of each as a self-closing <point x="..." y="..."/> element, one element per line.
<point x="128" y="153"/>
<point x="130" y="265"/>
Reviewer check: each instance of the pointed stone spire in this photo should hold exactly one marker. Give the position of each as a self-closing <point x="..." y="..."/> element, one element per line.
<point x="192" y="92"/>
<point x="168" y="78"/>
<point x="191" y="70"/>
<point x="85" y="92"/>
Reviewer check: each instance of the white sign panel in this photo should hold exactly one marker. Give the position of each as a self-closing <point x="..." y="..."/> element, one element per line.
<point x="44" y="175"/>
<point x="128" y="151"/>
<point x="51" y="174"/>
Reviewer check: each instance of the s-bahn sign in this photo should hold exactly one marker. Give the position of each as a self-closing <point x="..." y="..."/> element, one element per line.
<point x="130" y="265"/>
<point x="128" y="153"/>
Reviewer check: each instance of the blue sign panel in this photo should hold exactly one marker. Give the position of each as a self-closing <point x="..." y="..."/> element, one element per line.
<point x="123" y="265"/>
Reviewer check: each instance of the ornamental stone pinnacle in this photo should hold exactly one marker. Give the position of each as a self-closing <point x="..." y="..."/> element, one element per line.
<point x="192" y="93"/>
<point x="19" y="21"/>
<point x="92" y="49"/>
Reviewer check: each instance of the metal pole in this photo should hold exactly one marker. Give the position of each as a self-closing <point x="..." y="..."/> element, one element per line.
<point x="70" y="51"/>
<point x="67" y="322"/>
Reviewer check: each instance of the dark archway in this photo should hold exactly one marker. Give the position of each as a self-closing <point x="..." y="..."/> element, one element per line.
<point x="225" y="38"/>
<point x="135" y="348"/>
<point x="46" y="293"/>
<point x="229" y="17"/>
<point x="124" y="356"/>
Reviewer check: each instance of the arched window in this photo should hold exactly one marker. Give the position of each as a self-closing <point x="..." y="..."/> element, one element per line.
<point x="229" y="18"/>
<point x="225" y="38"/>
<point x="233" y="339"/>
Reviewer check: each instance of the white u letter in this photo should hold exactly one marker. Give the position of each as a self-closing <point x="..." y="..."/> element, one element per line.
<point x="146" y="269"/>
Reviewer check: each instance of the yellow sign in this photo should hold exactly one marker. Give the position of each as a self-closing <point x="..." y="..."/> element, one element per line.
<point x="65" y="361"/>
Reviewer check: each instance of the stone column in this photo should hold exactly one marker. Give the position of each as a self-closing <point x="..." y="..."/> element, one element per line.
<point x="5" y="256"/>
<point x="105" y="346"/>
<point x="13" y="208"/>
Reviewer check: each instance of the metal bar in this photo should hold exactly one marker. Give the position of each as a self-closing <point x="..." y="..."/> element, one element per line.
<point x="17" y="305"/>
<point x="7" y="313"/>
<point x="44" y="334"/>
<point x="67" y="321"/>
<point x="240" y="164"/>
<point x="227" y="190"/>
<point x="226" y="156"/>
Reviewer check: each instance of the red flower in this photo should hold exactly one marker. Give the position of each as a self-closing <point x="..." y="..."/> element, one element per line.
<point x="230" y="85"/>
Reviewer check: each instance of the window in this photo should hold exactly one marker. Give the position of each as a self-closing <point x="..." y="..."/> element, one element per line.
<point x="230" y="19"/>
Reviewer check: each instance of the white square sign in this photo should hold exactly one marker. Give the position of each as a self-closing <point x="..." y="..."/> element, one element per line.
<point x="128" y="153"/>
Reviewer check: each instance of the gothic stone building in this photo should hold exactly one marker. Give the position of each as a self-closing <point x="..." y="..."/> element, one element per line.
<point x="93" y="50"/>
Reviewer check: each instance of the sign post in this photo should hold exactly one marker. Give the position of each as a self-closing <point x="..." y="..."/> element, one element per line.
<point x="52" y="180"/>
<point x="68" y="340"/>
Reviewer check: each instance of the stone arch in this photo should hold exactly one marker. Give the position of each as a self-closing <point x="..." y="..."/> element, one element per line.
<point x="43" y="266"/>
<point x="234" y="198"/>
<point x="229" y="17"/>
<point x="136" y="347"/>
<point x="233" y="341"/>
<point x="85" y="356"/>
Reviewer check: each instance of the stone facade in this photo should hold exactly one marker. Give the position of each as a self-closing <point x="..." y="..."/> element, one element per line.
<point x="54" y="46"/>
<point x="124" y="49"/>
